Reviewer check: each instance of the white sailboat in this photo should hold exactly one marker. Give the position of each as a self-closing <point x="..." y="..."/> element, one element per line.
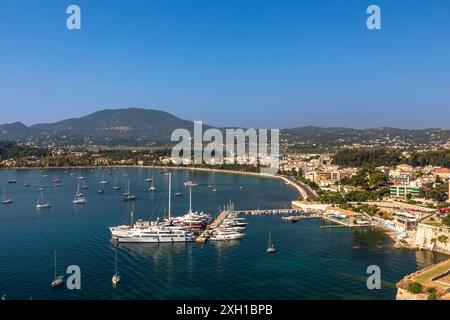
<point x="103" y="180"/>
<point x="80" y="177"/>
<point x="41" y="204"/>
<point x="12" y="179"/>
<point x="270" y="245"/>
<point x="191" y="183"/>
<point x="148" y="179"/>
<point x="5" y="198"/>
<point x="79" y="197"/>
<point x="57" y="280"/>
<point x="152" y="187"/>
<point x="100" y="188"/>
<point x="115" y="185"/>
<point x="128" y="196"/>
<point x="178" y="193"/>
<point x="116" y="277"/>
<point x="214" y="184"/>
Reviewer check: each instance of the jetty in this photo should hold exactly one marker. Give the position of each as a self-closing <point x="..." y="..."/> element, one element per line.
<point x="258" y="212"/>
<point x="230" y="210"/>
<point x="297" y="218"/>
<point x="204" y="236"/>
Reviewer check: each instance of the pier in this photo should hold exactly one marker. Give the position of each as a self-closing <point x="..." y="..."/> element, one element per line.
<point x="209" y="230"/>
<point x="268" y="211"/>
<point x="297" y="218"/>
<point x="301" y="215"/>
<point x="229" y="209"/>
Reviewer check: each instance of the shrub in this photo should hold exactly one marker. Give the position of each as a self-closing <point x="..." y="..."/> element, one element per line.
<point x="432" y="293"/>
<point x="415" y="287"/>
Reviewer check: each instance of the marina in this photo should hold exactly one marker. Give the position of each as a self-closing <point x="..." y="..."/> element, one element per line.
<point x="220" y="269"/>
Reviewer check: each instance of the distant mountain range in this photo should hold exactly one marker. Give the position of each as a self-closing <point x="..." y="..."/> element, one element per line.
<point x="106" y="126"/>
<point x="134" y="126"/>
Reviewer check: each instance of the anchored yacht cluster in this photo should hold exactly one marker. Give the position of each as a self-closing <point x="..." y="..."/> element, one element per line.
<point x="178" y="229"/>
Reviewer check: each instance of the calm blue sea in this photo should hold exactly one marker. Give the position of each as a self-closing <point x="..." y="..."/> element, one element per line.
<point x="310" y="263"/>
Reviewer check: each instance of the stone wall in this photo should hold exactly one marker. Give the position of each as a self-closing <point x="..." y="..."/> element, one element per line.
<point x="403" y="294"/>
<point x="427" y="237"/>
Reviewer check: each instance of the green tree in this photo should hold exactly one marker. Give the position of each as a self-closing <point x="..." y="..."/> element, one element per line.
<point x="377" y="179"/>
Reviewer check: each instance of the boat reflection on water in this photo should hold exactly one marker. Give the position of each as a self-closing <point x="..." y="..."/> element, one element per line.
<point x="156" y="251"/>
<point x="221" y="245"/>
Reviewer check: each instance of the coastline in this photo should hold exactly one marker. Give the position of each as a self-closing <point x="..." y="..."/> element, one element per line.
<point x="299" y="190"/>
<point x="390" y="234"/>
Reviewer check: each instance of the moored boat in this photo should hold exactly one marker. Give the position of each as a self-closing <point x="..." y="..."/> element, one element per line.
<point x="79" y="197"/>
<point x="151" y="231"/>
<point x="57" y="280"/>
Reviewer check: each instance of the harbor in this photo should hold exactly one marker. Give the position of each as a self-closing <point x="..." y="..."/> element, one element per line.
<point x="221" y="269"/>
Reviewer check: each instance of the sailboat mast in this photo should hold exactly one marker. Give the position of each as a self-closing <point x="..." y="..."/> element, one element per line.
<point x="190" y="199"/>
<point x="170" y="191"/>
<point x="115" y="264"/>
<point x="55" y="262"/>
<point x="132" y="215"/>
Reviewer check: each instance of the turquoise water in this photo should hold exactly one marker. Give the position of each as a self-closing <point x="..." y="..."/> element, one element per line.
<point x="310" y="263"/>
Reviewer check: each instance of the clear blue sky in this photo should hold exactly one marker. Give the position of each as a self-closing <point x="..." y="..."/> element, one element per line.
<point x="252" y="63"/>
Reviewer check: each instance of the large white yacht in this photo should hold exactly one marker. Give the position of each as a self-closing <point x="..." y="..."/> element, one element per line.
<point x="192" y="220"/>
<point x="231" y="228"/>
<point x="224" y="234"/>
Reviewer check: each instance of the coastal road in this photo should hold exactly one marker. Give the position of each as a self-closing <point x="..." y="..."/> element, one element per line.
<point x="305" y="191"/>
